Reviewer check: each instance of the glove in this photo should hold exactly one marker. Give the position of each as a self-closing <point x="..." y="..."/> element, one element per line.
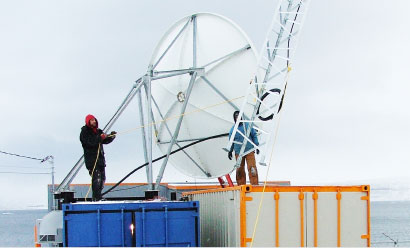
<point x="257" y="151"/>
<point x="230" y="155"/>
<point x="103" y="136"/>
<point x="113" y="133"/>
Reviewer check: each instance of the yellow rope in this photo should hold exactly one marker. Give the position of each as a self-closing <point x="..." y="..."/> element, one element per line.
<point x="177" y="116"/>
<point x="267" y="172"/>
<point x="92" y="173"/>
<point x="264" y="185"/>
<point x="153" y="123"/>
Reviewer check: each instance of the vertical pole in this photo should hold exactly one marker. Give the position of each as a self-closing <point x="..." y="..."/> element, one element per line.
<point x="302" y="225"/>
<point x="315" y="197"/>
<point x="176" y="132"/>
<point x="276" y="197"/>
<point x="194" y="41"/>
<point x="52" y="174"/>
<point x="338" y="198"/>
<point x="147" y="80"/>
<point x="142" y="122"/>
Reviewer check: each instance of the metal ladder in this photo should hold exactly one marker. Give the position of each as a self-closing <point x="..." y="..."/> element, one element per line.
<point x="266" y="92"/>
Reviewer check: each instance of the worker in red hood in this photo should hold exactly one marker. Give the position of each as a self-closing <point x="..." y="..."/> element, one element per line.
<point x="92" y="138"/>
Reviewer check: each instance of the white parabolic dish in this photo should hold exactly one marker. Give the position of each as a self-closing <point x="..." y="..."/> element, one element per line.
<point x="229" y="61"/>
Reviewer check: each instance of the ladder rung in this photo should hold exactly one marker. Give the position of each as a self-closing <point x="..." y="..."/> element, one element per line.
<point x="292" y="12"/>
<point x="287" y="59"/>
<point x="277" y="74"/>
<point x="298" y="5"/>
<point x="297" y="23"/>
<point x="261" y="130"/>
<point x="280" y="48"/>
<point x="263" y="68"/>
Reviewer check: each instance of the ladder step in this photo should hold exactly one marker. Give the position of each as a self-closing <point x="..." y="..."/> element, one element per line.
<point x="280" y="48"/>
<point x="287" y="59"/>
<point x="297" y="23"/>
<point x="263" y="68"/>
<point x="292" y="12"/>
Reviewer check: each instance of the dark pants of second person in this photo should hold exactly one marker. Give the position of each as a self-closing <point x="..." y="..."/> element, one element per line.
<point x="97" y="182"/>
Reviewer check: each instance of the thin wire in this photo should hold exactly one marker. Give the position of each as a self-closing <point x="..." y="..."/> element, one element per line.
<point x="266" y="180"/>
<point x="92" y="173"/>
<point x="267" y="173"/>
<point x="274" y="142"/>
<point x="176" y="116"/>
<point x="21" y="156"/>
<point x="24" y="167"/>
<point x="11" y="172"/>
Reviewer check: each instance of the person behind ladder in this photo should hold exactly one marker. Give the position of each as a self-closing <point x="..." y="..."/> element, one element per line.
<point x="92" y="138"/>
<point x="250" y="157"/>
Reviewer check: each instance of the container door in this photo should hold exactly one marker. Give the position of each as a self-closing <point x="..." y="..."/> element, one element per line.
<point x="164" y="228"/>
<point x="98" y="229"/>
<point x="289" y="221"/>
<point x="353" y="219"/>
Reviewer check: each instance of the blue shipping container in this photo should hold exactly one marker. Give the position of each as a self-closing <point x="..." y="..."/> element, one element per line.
<point x="131" y="224"/>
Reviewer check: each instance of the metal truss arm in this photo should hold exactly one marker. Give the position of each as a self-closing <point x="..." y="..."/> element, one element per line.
<point x="76" y="168"/>
<point x="176" y="132"/>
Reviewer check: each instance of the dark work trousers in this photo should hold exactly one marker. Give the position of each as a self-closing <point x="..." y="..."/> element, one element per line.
<point x="252" y="171"/>
<point x="97" y="182"/>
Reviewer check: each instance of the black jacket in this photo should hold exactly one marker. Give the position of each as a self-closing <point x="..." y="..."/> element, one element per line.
<point x="89" y="141"/>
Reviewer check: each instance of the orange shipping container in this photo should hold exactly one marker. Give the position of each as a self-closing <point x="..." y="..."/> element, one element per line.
<point x="284" y="216"/>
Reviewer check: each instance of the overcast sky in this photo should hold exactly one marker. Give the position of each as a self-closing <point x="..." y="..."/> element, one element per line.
<point x="345" y="118"/>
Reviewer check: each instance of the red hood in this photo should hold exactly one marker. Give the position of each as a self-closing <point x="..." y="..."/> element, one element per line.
<point x="87" y="121"/>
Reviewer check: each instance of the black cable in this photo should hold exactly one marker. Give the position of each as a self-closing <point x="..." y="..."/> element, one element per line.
<point x="159" y="158"/>
<point x="133" y="187"/>
<point x="291" y="30"/>
<point x="22" y="156"/>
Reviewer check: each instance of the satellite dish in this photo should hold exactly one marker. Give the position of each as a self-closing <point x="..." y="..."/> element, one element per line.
<point x="223" y="60"/>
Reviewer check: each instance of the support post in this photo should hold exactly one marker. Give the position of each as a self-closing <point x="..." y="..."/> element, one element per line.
<point x="142" y="122"/>
<point x="52" y="174"/>
<point x="176" y="132"/>
<point x="148" y="123"/>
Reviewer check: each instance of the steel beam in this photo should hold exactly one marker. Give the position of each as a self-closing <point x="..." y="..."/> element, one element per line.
<point x="176" y="142"/>
<point x="176" y="132"/>
<point x="142" y="122"/>
<point x="229" y="55"/>
<point x="172" y="43"/>
<point x="78" y="165"/>
<point x="147" y="84"/>
<point x="177" y="73"/>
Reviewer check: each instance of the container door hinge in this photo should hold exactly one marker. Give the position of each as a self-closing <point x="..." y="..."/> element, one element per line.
<point x="247" y="240"/>
<point x="364" y="198"/>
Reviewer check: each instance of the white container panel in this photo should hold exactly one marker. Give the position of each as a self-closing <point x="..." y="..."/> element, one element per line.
<point x="265" y="230"/>
<point x="289" y="219"/>
<point x="353" y="225"/>
<point x="326" y="219"/>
